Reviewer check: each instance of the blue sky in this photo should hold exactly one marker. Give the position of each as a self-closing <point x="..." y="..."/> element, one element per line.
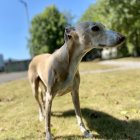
<point x="14" y="26"/>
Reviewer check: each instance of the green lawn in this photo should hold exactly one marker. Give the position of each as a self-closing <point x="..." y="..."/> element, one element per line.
<point x="110" y="104"/>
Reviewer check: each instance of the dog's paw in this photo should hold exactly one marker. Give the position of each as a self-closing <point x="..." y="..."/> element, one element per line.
<point x="49" y="136"/>
<point x="87" y="134"/>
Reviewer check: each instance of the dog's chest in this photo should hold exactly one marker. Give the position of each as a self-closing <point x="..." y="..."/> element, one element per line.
<point x="64" y="80"/>
<point x="64" y="90"/>
<point x="63" y="87"/>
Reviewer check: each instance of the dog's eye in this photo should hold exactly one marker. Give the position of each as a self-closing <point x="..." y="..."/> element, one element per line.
<point x="95" y="28"/>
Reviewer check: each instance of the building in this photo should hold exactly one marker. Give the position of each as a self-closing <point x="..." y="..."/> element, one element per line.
<point x="16" y="65"/>
<point x="2" y="65"/>
<point x="109" y="53"/>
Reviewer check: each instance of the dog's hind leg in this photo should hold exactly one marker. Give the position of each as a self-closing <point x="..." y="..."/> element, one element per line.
<point x="42" y="92"/>
<point x="48" y="106"/>
<point x="35" y="89"/>
<point x="43" y="99"/>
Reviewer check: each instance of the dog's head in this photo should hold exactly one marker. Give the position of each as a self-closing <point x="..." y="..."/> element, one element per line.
<point x="91" y="35"/>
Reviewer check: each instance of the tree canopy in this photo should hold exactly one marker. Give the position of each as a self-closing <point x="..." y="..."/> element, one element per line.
<point x="46" y="31"/>
<point x="122" y="16"/>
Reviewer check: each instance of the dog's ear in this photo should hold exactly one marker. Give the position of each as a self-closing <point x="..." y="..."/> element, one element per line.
<point x="68" y="33"/>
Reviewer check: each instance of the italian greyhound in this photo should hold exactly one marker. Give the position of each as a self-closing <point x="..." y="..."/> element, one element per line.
<point x="58" y="72"/>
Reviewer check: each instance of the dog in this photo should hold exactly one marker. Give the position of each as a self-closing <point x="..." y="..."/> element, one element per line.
<point x="58" y="72"/>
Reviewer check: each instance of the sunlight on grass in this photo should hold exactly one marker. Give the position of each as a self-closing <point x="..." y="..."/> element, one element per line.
<point x="110" y="104"/>
<point x="84" y="66"/>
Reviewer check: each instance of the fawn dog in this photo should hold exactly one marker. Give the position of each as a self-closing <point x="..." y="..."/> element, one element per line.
<point x="58" y="72"/>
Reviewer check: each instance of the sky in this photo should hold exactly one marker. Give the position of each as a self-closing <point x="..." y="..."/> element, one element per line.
<point x="14" y="25"/>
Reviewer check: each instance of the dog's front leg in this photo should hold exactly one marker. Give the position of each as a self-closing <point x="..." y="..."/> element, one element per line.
<point x="48" y="115"/>
<point x="76" y="102"/>
<point x="75" y="98"/>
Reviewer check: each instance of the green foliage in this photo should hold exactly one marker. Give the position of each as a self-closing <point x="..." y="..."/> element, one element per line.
<point x="122" y="16"/>
<point x="126" y="15"/>
<point x="123" y="51"/>
<point x="95" y="12"/>
<point x="46" y="32"/>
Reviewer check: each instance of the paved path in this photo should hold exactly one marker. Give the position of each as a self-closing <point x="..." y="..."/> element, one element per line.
<point x="119" y="65"/>
<point x="6" y="77"/>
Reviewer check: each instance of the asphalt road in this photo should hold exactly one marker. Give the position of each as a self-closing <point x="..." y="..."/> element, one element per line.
<point x="6" y="77"/>
<point x="126" y="65"/>
<point x="119" y="66"/>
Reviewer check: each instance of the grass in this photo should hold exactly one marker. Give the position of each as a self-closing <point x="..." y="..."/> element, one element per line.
<point x="93" y="65"/>
<point x="110" y="104"/>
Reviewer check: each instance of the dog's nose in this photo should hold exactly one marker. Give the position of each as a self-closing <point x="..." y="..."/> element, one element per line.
<point x="121" y="38"/>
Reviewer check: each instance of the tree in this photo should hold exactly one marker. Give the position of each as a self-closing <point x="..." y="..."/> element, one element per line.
<point x="46" y="31"/>
<point x="126" y="15"/>
<point x="122" y="16"/>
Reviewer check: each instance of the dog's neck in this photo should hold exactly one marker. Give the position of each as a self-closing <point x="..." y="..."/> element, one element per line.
<point x="71" y="55"/>
<point x="74" y="56"/>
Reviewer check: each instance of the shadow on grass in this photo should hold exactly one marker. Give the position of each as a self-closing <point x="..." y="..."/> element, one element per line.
<point x="70" y="137"/>
<point x="107" y="126"/>
<point x="73" y="137"/>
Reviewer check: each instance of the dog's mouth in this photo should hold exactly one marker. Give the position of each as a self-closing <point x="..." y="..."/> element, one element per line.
<point x="102" y="45"/>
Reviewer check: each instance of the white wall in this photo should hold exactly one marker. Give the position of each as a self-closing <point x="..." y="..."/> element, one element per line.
<point x="109" y="53"/>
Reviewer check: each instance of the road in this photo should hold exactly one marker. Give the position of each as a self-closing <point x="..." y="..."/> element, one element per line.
<point x="120" y="65"/>
<point x="6" y="77"/>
